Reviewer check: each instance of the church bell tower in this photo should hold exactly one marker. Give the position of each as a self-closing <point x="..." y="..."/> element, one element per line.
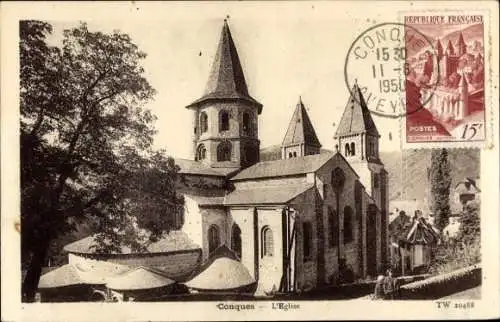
<point x="225" y="118"/>
<point x="357" y="139"/>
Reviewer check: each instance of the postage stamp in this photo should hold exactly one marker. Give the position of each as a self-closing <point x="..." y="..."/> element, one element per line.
<point x="446" y="77"/>
<point x="233" y="161"/>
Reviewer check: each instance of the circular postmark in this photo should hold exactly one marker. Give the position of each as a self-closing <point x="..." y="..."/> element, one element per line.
<point x="389" y="63"/>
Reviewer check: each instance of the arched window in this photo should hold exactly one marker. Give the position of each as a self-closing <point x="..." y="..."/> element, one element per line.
<point x="348" y="233"/>
<point x="247" y="124"/>
<point x="353" y="148"/>
<point x="337" y="179"/>
<point x="203" y="122"/>
<point x="295" y="154"/>
<point x="333" y="227"/>
<point x="201" y="153"/>
<point x="307" y="240"/>
<point x="223" y="121"/>
<point x="236" y="240"/>
<point x="347" y="150"/>
<point x="213" y="238"/>
<point x="224" y="151"/>
<point x="290" y="155"/>
<point x="267" y="242"/>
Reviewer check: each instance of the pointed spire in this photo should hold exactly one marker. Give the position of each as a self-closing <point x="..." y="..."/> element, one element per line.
<point x="462" y="47"/>
<point x="356" y="118"/>
<point x="226" y="76"/>
<point x="439" y="49"/>
<point x="449" y="49"/>
<point x="226" y="80"/>
<point x="300" y="130"/>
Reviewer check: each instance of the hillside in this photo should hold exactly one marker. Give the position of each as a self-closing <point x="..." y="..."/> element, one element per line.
<point x="411" y="182"/>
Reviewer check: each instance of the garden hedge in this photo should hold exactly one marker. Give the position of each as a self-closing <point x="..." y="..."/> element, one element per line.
<point x="442" y="285"/>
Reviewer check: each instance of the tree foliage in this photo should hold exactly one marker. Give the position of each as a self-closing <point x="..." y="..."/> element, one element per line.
<point x="470" y="224"/>
<point x="86" y="145"/>
<point x="440" y="178"/>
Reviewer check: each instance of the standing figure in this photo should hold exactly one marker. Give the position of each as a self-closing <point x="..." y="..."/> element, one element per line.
<point x="378" y="294"/>
<point x="389" y="285"/>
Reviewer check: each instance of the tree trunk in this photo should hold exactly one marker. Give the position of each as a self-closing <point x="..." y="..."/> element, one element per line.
<point x="30" y="283"/>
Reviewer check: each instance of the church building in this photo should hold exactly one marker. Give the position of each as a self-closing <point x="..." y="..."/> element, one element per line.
<point x="296" y="223"/>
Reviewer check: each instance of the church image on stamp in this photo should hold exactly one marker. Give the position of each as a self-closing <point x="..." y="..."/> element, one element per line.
<point x="447" y="79"/>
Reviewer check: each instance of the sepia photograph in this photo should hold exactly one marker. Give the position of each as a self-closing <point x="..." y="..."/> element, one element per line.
<point x="252" y="162"/>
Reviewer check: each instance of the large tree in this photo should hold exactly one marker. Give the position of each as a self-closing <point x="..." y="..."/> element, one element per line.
<point x="440" y="179"/>
<point x="86" y="145"/>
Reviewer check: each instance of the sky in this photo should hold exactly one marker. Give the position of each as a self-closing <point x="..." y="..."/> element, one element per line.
<point x="285" y="54"/>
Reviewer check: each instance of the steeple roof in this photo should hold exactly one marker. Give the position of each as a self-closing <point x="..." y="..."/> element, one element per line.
<point x="449" y="49"/>
<point x="356" y="118"/>
<point x="301" y="130"/>
<point x="226" y="80"/>
<point x="439" y="48"/>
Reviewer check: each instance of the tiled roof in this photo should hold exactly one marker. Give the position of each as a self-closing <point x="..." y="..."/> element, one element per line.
<point x="139" y="278"/>
<point x="286" y="167"/>
<point x="356" y="117"/>
<point x="59" y="277"/>
<point x="80" y="273"/>
<point x="173" y="241"/>
<point x="276" y="195"/>
<point x="300" y="130"/>
<point x="196" y="167"/>
<point x="221" y="273"/>
<point x="422" y="232"/>
<point x="226" y="80"/>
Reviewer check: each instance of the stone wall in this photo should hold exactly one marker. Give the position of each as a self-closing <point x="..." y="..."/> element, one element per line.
<point x="271" y="182"/>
